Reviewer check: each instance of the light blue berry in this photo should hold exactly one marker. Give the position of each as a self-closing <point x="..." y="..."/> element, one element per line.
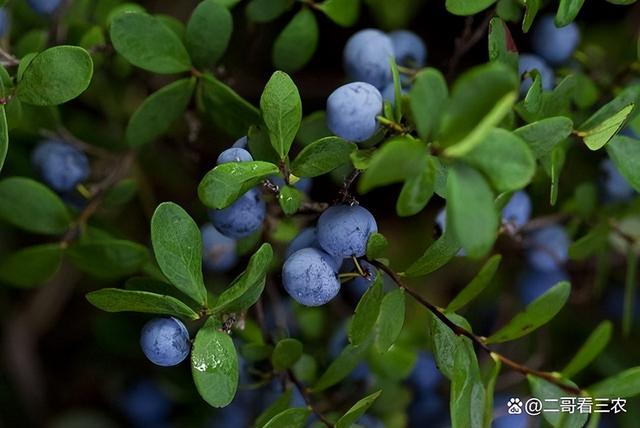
<point x="366" y="57"/>
<point x="554" y="44"/>
<point x="547" y="248"/>
<point x="305" y="239"/>
<point x="529" y="62"/>
<point x="389" y="93"/>
<point x="517" y="212"/>
<point x="344" y="230"/>
<point x="241" y="218"/>
<point x="44" y="7"/>
<point x="234" y="154"/>
<point x="218" y="251"/>
<point x="241" y="143"/>
<point x="303" y="184"/>
<point x="60" y="165"/>
<point x="409" y="49"/>
<point x="309" y="277"/>
<point x="165" y="341"/>
<point x="352" y="111"/>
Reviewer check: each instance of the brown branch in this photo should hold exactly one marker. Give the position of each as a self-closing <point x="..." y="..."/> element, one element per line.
<point x="307" y="398"/>
<point x="467" y="40"/>
<point x="438" y="313"/>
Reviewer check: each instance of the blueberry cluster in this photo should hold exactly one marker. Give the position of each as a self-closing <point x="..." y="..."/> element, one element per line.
<point x="552" y="46"/>
<point x="352" y="108"/>
<point x="315" y="256"/>
<point x="60" y="165"/>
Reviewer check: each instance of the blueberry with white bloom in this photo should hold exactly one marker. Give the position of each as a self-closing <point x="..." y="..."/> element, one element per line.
<point x="305" y="239"/>
<point x="366" y="57"/>
<point x="352" y="111"/>
<point x="241" y="218"/>
<point x="234" y="154"/>
<point x="554" y="44"/>
<point x="344" y="230"/>
<point x="310" y="278"/>
<point x="409" y="49"/>
<point x="218" y="251"/>
<point x="165" y="341"/>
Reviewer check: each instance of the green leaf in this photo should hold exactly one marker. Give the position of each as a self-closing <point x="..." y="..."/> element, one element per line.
<point x="397" y="90"/>
<point x="31" y="266"/>
<point x="275" y="408"/>
<point x="266" y="10"/>
<point x="340" y="368"/>
<point x="535" y="315"/>
<point x="297" y="42"/>
<point x="286" y="353"/>
<point x="4" y="136"/>
<point x="630" y="285"/>
<point x="428" y="99"/>
<point x="147" y="43"/>
<point x="624" y="384"/>
<point x="630" y="95"/>
<point x="542" y="136"/>
<point x="31" y="206"/>
<point x="477" y="284"/>
<point x="596" y="138"/>
<point x="121" y="193"/>
<point x="281" y="111"/>
<point x="291" y="418"/>
<point x="245" y="290"/>
<point x="471" y="210"/>
<point x="590" y="349"/>
<point x="322" y="156"/>
<point x="289" y="199"/>
<point x="228" y="110"/>
<point x="544" y="390"/>
<point x="490" y="385"/>
<point x="446" y="345"/>
<point x="157" y="286"/>
<point x="501" y="45"/>
<point x="533" y="99"/>
<point x="214" y="366"/>
<point x="417" y="191"/>
<point x="531" y="10"/>
<point x="467" y="7"/>
<point x="366" y="313"/>
<point x="208" y="33"/>
<point x="376" y="245"/>
<point x="390" y="320"/>
<point x="625" y="154"/>
<point x="436" y="255"/>
<point x="505" y="159"/>
<point x="557" y="158"/>
<point x="483" y="130"/>
<point x="357" y="410"/>
<point x="467" y="392"/>
<point x="479" y="99"/>
<point x="567" y="12"/>
<point x="108" y="258"/>
<point x="313" y="128"/>
<point x="117" y="300"/>
<point x="342" y="12"/>
<point x="225" y="183"/>
<point x="177" y="245"/>
<point x="157" y="113"/>
<point x="55" y="76"/>
<point x="407" y="155"/>
<point x="588" y="245"/>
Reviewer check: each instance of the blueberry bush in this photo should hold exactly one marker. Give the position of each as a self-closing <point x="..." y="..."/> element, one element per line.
<point x="320" y="213"/>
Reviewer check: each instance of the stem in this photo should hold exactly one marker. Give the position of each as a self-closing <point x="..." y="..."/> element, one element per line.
<point x="394" y="126"/>
<point x="307" y="398"/>
<point x="439" y="313"/>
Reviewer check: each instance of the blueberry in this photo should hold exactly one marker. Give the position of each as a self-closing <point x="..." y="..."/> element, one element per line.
<point x="303" y="184"/>
<point x="144" y="404"/>
<point x="533" y="283"/>
<point x="547" y="248"/>
<point x="409" y="49"/>
<point x="60" y="165"/>
<point x="366" y="57"/>
<point x="425" y="376"/>
<point x="241" y="143"/>
<point x="44" y="7"/>
<point x="530" y="62"/>
<point x="305" y="239"/>
<point x="344" y="230"/>
<point x="241" y="218"/>
<point x="518" y="210"/>
<point x="310" y="278"/>
<point x="555" y="45"/>
<point x="218" y="251"/>
<point x="352" y="110"/>
<point x="389" y="93"/>
<point x="615" y="186"/>
<point x="234" y="154"/>
<point x="165" y="341"/>
<point x="4" y="22"/>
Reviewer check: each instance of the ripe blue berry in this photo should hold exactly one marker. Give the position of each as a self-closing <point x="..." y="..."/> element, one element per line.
<point x="305" y="239"/>
<point x="366" y="57"/>
<point x="165" y="341"/>
<point x="241" y="143"/>
<point x="518" y="210"/>
<point x="534" y="283"/>
<point x="530" y="62"/>
<point x="344" y="230"/>
<point x="303" y="184"/>
<point x="352" y="110"/>
<point x="60" y="165"/>
<point x="44" y="7"/>
<point x="309" y="277"/>
<point x="547" y="248"/>
<point x="554" y="44"/>
<point x="409" y="49"/>
<point x="218" y="251"/>
<point x="241" y="218"/>
<point x="234" y="154"/>
<point x="389" y="93"/>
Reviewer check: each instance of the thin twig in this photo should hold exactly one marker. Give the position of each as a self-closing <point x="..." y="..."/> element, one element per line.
<point x="307" y="398"/>
<point x="549" y="377"/>
<point x="467" y="40"/>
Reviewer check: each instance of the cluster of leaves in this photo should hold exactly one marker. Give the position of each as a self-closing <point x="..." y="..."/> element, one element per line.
<point x="472" y="143"/>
